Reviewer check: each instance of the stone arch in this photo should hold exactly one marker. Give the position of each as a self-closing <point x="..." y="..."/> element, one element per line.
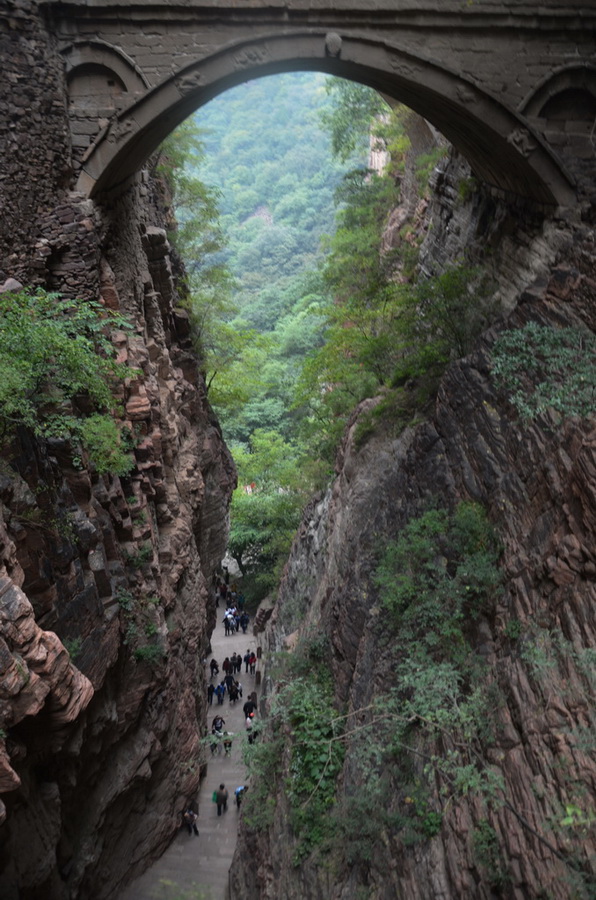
<point x="502" y="150"/>
<point x="99" y="75"/>
<point x="577" y="78"/>
<point x="563" y="110"/>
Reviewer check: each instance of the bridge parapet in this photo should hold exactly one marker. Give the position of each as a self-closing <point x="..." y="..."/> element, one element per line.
<point x="495" y="77"/>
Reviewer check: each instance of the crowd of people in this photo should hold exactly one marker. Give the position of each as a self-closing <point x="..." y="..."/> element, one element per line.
<point x="234" y="619"/>
<point x="229" y="594"/>
<point x="224" y="681"/>
<point x="232" y="665"/>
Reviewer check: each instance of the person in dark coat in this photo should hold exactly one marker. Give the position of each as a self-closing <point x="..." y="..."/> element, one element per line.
<point x="221" y="798"/>
<point x="218" y="723"/>
<point x="249" y="707"/>
<point x="190" y="820"/>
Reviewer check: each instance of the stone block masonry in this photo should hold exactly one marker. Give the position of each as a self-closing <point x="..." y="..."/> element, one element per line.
<point x="470" y="71"/>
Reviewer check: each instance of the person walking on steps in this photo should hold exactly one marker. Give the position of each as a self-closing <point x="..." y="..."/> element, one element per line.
<point x="221" y="798"/>
<point x="218" y="723"/>
<point x="249" y="707"/>
<point x="190" y="820"/>
<point x="249" y="726"/>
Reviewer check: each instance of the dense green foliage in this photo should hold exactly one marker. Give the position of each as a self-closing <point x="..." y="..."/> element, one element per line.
<point x="442" y="569"/>
<point x="434" y="583"/>
<point x="428" y="729"/>
<point x="313" y="318"/>
<point x="196" y="234"/>
<point x="56" y="362"/>
<point x="383" y="333"/>
<point x="266" y="507"/>
<point x="411" y="750"/>
<point x="273" y="166"/>
<point x="349" y="116"/>
<point x="195" y="229"/>
<point x="542" y="367"/>
<point x="302" y="712"/>
<point x="276" y="184"/>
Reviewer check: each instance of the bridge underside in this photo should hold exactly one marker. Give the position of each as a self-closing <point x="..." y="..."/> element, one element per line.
<point x="122" y="110"/>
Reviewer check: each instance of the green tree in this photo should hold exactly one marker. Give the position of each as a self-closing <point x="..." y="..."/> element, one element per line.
<point x="209" y="286"/>
<point x="266" y="507"/>
<point x="194" y="223"/>
<point x="58" y="372"/>
<point x="542" y="367"/>
<point x="381" y="332"/>
<point x="348" y="119"/>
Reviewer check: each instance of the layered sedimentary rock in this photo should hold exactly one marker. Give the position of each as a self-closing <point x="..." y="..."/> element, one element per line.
<point x="105" y="605"/>
<point x="104" y="581"/>
<point x="117" y="570"/>
<point x="537" y="482"/>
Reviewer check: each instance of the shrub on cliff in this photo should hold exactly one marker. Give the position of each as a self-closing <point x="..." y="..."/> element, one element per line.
<point x="57" y="373"/>
<point x="542" y="367"/>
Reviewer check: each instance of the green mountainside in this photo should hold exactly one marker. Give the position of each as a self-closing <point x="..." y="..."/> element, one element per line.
<point x="270" y="158"/>
<point x="305" y="315"/>
<point x="267" y="153"/>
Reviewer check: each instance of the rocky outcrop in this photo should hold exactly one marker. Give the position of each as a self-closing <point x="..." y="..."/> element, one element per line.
<point x="105" y="601"/>
<point x="36" y="670"/>
<point x="537" y="481"/>
<point x="118" y="570"/>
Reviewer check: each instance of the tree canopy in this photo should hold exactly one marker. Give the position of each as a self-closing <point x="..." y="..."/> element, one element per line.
<point x="315" y="316"/>
<point x="58" y="373"/>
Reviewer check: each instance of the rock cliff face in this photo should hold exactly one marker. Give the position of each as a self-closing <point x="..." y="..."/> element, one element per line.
<point x="105" y="600"/>
<point x="104" y="582"/>
<point x="538" y="482"/>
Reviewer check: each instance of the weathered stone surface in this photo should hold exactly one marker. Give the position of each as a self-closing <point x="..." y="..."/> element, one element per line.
<point x="99" y="743"/>
<point x="496" y="98"/>
<point x="538" y="483"/>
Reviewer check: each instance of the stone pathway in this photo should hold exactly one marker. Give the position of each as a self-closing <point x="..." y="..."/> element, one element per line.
<point x="196" y="868"/>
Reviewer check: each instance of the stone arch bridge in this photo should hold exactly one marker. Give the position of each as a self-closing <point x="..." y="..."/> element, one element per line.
<point x="511" y="83"/>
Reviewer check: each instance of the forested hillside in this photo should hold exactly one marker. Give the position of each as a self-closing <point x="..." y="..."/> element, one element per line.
<point x="303" y="315"/>
<point x="269" y="157"/>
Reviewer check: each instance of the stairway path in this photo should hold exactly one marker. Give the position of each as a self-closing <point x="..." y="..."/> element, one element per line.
<point x="196" y="868"/>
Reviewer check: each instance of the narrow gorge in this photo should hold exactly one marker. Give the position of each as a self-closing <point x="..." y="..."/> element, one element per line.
<point x="473" y="777"/>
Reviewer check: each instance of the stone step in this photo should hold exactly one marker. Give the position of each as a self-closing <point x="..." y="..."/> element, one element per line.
<point x="196" y="868"/>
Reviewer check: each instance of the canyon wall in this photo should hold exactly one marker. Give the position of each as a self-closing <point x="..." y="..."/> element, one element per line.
<point x="105" y="602"/>
<point x="537" y="481"/>
<point x="105" y="597"/>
